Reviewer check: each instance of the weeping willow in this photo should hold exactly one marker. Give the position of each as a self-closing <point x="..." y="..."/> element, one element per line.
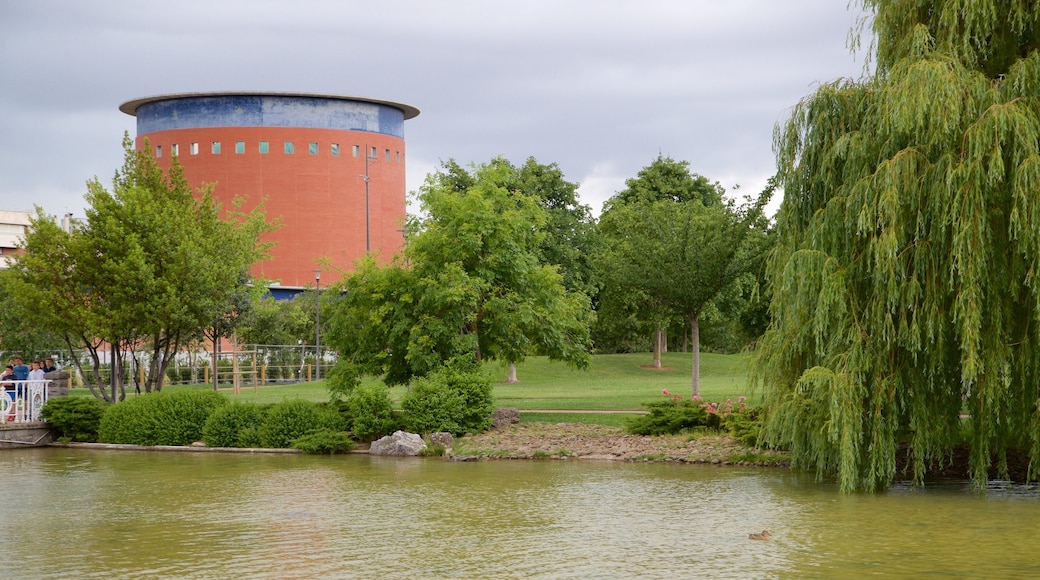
<point x="906" y="282"/>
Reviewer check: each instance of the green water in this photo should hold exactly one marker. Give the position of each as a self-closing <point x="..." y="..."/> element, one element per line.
<point x="72" y="513"/>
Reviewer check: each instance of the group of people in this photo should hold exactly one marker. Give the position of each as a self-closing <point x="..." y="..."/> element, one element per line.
<point x="19" y="371"/>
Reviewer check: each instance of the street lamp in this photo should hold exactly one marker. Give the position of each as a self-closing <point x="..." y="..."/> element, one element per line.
<point x="317" y="325"/>
<point x="368" y="235"/>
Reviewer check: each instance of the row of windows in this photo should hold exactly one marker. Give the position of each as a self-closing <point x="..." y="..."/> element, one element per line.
<point x="288" y="148"/>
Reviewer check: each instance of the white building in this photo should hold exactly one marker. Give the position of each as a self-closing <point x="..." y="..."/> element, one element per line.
<point x="13" y="225"/>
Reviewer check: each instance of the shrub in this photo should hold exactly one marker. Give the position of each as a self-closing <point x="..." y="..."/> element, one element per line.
<point x="295" y="418"/>
<point x="76" y="418"/>
<point x="369" y="412"/>
<point x="163" y="418"/>
<point x="323" y="441"/>
<point x="456" y="398"/>
<point x="668" y="417"/>
<point x="233" y="425"/>
<point x="744" y="425"/>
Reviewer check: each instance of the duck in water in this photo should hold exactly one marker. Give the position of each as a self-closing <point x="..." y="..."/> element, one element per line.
<point x="765" y="535"/>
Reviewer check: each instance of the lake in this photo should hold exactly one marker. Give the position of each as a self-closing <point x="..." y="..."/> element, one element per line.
<point x="86" y="513"/>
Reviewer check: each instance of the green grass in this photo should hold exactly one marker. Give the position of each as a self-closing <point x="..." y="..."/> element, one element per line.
<point x="613" y="382"/>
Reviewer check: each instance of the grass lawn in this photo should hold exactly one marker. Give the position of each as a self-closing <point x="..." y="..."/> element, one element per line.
<point x="613" y="382"/>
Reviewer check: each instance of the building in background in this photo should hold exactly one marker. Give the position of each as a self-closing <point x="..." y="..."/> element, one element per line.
<point x="13" y="225"/>
<point x="330" y="168"/>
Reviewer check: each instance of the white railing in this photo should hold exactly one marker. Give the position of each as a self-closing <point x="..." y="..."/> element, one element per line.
<point x="21" y="401"/>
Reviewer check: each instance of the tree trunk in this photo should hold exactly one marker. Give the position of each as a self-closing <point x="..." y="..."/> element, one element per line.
<point x="511" y="379"/>
<point x="695" y="346"/>
<point x="657" y="348"/>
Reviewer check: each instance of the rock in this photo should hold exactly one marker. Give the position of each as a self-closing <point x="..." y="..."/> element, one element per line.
<point x="463" y="458"/>
<point x="442" y="438"/>
<point x="199" y="444"/>
<point x="504" y="417"/>
<point x="400" y="443"/>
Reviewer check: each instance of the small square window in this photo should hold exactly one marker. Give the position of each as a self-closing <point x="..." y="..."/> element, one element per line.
<point x="388" y="155"/>
<point x="174" y="150"/>
<point x="214" y="148"/>
<point x="312" y="148"/>
<point x="372" y="152"/>
<point x="193" y="148"/>
<point x="158" y="150"/>
<point x="265" y="147"/>
<point x="356" y="150"/>
<point x="398" y="156"/>
<point x="334" y="149"/>
<point x="289" y="148"/>
<point x="240" y="147"/>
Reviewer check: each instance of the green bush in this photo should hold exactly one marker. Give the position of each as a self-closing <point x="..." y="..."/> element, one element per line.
<point x="745" y="425"/>
<point x="76" y="418"/>
<point x="163" y="418"/>
<point x="456" y="398"/>
<point x="292" y="419"/>
<point x="233" y="425"/>
<point x="369" y="412"/>
<point x="668" y="417"/>
<point x="323" y="441"/>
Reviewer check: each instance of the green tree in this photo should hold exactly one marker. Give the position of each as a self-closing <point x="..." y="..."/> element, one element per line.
<point x="906" y="280"/>
<point x="671" y="245"/>
<point x="470" y="281"/>
<point x="154" y="264"/>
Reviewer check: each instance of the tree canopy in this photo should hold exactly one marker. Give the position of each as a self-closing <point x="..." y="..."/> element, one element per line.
<point x="154" y="264"/>
<point x="671" y="245"/>
<point x="906" y="279"/>
<point x="470" y="280"/>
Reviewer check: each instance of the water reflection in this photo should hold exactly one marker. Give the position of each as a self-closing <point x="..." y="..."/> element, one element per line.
<point x="95" y="514"/>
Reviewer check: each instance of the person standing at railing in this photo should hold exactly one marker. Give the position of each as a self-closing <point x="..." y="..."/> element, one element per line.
<point x="48" y="365"/>
<point x="36" y="374"/>
<point x="7" y="378"/>
<point x="21" y="372"/>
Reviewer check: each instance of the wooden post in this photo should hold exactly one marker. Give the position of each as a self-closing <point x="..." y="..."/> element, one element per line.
<point x="205" y="375"/>
<point x="235" y="384"/>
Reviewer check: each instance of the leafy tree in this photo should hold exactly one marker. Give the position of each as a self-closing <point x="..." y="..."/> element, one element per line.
<point x="469" y="281"/>
<point x="153" y="265"/>
<point x="906" y="280"/>
<point x="671" y="253"/>
<point x="20" y="328"/>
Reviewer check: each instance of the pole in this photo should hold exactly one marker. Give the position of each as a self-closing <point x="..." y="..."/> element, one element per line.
<point x="317" y="318"/>
<point x="368" y="235"/>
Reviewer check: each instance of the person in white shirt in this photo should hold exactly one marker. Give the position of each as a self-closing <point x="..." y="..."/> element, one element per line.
<point x="36" y="374"/>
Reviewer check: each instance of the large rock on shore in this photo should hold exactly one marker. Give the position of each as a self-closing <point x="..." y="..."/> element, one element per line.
<point x="400" y="444"/>
<point x="504" y="417"/>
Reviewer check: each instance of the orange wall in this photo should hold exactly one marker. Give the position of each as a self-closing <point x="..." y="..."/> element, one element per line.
<point x="320" y="199"/>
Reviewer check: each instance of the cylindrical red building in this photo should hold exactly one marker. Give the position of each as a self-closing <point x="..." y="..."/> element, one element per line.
<point x="330" y="168"/>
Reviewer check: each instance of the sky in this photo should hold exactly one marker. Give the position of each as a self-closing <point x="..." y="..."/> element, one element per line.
<point x="599" y="87"/>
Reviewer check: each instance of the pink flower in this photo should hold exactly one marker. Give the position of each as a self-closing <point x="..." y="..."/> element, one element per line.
<point x="696" y="398"/>
<point x="665" y="392"/>
<point x="741" y="399"/>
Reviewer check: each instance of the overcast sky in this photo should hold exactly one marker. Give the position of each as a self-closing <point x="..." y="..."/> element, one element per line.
<point x="599" y="87"/>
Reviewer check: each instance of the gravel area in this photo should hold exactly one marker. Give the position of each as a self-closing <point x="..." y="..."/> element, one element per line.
<point x="579" y="440"/>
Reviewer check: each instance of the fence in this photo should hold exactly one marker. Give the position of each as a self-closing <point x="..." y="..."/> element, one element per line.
<point x="249" y="365"/>
<point x="21" y="401"/>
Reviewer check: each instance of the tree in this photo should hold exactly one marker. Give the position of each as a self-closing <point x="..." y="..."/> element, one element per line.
<point x="470" y="282"/>
<point x="677" y="257"/>
<point x="154" y="264"/>
<point x="906" y="280"/>
<point x="672" y="244"/>
<point x="20" y="329"/>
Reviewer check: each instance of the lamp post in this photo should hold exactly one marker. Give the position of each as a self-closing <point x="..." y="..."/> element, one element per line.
<point x="317" y="325"/>
<point x="368" y="236"/>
